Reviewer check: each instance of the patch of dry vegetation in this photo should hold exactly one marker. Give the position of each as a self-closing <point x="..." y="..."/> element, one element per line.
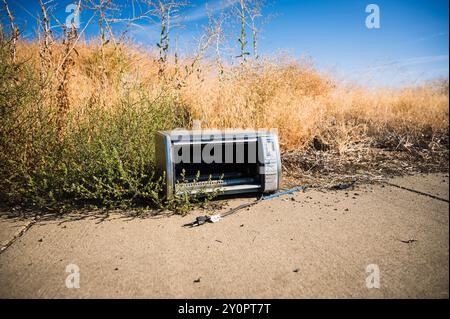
<point x="77" y="124"/>
<point x="307" y="107"/>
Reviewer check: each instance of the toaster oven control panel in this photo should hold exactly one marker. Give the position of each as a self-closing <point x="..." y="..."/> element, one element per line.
<point x="268" y="163"/>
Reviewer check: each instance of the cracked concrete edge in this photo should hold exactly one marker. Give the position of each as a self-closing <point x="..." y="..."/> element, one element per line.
<point x="416" y="191"/>
<point x="17" y="235"/>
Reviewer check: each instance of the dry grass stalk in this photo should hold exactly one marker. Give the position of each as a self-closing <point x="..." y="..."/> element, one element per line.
<point x="47" y="67"/>
<point x="63" y="76"/>
<point x="14" y="31"/>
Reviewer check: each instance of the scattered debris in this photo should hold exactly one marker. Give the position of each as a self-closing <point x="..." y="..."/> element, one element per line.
<point x="361" y="162"/>
<point x="409" y="241"/>
<point x="343" y="186"/>
<point x="319" y="145"/>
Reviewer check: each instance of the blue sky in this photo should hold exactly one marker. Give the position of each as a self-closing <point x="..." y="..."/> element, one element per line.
<point x="410" y="46"/>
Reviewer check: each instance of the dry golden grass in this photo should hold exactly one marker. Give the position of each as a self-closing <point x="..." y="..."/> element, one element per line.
<point x="280" y="93"/>
<point x="97" y="146"/>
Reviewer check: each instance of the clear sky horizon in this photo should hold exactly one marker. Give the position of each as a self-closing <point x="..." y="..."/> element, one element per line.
<point x="411" y="45"/>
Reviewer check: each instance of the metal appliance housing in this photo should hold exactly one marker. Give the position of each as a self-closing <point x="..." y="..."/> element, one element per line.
<point x="228" y="161"/>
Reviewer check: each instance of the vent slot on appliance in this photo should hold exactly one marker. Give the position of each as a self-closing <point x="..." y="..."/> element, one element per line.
<point x="221" y="175"/>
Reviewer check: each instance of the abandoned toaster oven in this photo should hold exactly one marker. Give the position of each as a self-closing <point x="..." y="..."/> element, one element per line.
<point x="227" y="161"/>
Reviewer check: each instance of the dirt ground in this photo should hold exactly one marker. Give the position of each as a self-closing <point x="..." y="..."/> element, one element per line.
<point x="313" y="244"/>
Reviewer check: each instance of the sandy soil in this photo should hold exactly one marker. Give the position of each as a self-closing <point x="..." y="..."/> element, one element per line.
<point x="307" y="245"/>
